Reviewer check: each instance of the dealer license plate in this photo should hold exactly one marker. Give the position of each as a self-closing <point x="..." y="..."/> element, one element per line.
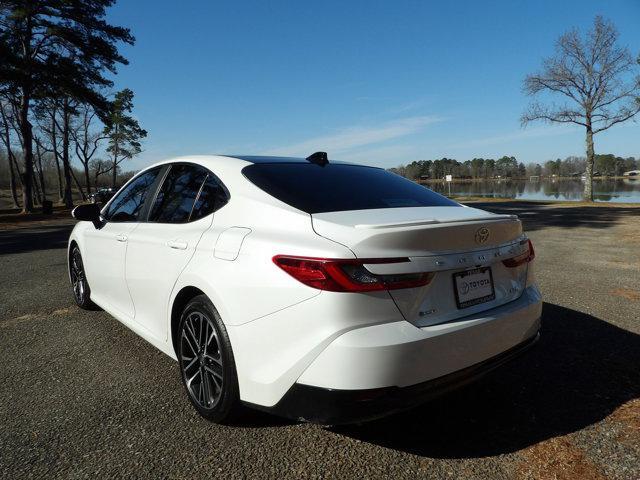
<point x="473" y="287"/>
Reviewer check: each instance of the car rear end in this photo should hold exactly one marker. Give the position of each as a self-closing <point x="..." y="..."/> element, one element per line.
<point x="431" y="294"/>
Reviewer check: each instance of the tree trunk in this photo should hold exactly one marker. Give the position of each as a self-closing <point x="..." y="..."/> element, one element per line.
<point x="59" y="172"/>
<point x="10" y="158"/>
<point x="25" y="126"/>
<point x="68" y="196"/>
<point x="87" y="178"/>
<point x="27" y="152"/>
<point x="115" y="170"/>
<point x="41" y="173"/>
<point x="16" y="167"/>
<point x="12" y="182"/>
<point x="588" y="181"/>
<point x="54" y="147"/>
<point x="115" y="160"/>
<point x="37" y="196"/>
<point x="84" y="197"/>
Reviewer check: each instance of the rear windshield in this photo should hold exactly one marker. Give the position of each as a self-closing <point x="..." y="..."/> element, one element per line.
<point x="335" y="187"/>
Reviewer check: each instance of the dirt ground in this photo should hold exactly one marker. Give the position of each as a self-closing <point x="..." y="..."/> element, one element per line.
<point x="82" y="396"/>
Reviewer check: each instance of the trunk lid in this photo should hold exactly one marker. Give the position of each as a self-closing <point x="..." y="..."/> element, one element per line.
<point x="444" y="240"/>
<point x="407" y="232"/>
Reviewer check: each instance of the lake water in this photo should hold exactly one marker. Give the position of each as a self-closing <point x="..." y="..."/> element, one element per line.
<point x="604" y="190"/>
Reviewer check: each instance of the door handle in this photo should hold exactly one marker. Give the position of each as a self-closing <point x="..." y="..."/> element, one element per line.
<point x="178" y="244"/>
<point x="121" y="237"/>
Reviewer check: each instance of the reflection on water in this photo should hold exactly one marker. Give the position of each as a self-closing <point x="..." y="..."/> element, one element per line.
<point x="604" y="190"/>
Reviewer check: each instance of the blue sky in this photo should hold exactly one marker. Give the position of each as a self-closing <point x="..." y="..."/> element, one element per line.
<point x="379" y="83"/>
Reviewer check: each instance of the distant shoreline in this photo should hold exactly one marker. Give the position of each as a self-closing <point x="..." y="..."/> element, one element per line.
<point x="567" y="203"/>
<point x="519" y="179"/>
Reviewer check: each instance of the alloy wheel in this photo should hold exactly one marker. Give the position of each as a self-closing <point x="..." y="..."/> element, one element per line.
<point x="201" y="359"/>
<point x="78" y="279"/>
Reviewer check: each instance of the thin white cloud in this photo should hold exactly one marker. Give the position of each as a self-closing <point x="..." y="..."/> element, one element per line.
<point x="537" y="132"/>
<point x="383" y="156"/>
<point x="358" y="136"/>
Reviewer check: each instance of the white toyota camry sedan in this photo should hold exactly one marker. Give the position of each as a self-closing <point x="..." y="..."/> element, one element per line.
<point x="322" y="291"/>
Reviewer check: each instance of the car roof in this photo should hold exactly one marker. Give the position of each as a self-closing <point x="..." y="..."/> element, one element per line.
<point x="267" y="159"/>
<point x="279" y="159"/>
<point x="228" y="168"/>
<point x="234" y="162"/>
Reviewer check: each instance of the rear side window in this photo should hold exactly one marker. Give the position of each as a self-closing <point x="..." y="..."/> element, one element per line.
<point x="178" y="194"/>
<point x="127" y="205"/>
<point x="336" y="187"/>
<point x="212" y="197"/>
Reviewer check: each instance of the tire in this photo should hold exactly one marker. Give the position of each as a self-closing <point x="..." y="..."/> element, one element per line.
<point x="204" y="352"/>
<point x="79" y="283"/>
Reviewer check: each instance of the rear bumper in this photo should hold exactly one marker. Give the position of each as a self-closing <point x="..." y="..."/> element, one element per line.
<point x="335" y="407"/>
<point x="375" y="370"/>
<point x="401" y="354"/>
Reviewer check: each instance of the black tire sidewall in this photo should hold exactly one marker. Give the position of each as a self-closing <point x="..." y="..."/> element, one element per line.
<point x="85" y="303"/>
<point x="230" y="399"/>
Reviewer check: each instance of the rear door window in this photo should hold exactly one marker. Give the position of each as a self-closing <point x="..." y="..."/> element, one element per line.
<point x="213" y="196"/>
<point x="177" y="195"/>
<point x="338" y="187"/>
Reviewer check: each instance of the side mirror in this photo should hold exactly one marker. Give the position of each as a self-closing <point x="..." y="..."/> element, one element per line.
<point x="89" y="213"/>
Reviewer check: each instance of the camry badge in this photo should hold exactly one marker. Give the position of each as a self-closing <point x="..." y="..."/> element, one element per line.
<point x="482" y="235"/>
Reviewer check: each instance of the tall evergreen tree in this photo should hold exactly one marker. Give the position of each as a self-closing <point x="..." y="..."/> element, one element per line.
<point x="123" y="131"/>
<point x="53" y="48"/>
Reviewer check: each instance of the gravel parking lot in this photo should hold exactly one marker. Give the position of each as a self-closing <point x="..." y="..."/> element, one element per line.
<point x="82" y="396"/>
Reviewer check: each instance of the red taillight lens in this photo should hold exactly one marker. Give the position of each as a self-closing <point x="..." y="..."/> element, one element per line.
<point x="338" y="275"/>
<point x="521" y="259"/>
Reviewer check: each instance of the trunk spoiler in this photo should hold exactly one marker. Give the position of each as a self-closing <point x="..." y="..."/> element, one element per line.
<point x="416" y="223"/>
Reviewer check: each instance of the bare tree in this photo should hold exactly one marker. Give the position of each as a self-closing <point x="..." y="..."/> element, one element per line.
<point x="46" y="113"/>
<point x="5" y="135"/>
<point x="68" y="110"/>
<point x="99" y="167"/>
<point x="594" y="76"/>
<point x="55" y="118"/>
<point x="37" y="165"/>
<point x="86" y="139"/>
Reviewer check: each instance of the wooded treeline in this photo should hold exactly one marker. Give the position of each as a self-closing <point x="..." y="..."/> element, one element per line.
<point x="509" y="167"/>
<point x="477" y="168"/>
<point x="56" y="105"/>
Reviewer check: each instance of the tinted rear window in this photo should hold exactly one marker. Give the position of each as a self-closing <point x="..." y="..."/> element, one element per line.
<point x="336" y="187"/>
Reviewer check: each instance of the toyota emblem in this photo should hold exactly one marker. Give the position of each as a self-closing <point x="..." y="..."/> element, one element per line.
<point x="482" y="235"/>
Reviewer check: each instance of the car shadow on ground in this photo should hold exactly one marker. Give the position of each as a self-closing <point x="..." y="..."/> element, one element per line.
<point x="539" y="215"/>
<point x="32" y="238"/>
<point x="582" y="369"/>
<point x="251" y="418"/>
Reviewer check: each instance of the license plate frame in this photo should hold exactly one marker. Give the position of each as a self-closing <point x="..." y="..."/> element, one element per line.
<point x="462" y="299"/>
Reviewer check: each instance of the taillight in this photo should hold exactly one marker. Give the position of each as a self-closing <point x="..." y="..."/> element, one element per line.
<point x="521" y="259"/>
<point x="348" y="275"/>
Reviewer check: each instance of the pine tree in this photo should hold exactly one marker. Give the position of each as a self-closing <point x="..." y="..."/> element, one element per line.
<point x="54" y="49"/>
<point x="123" y="131"/>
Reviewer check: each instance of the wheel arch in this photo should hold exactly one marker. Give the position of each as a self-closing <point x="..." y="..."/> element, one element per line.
<point x="72" y="243"/>
<point x="75" y="240"/>
<point x="184" y="296"/>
